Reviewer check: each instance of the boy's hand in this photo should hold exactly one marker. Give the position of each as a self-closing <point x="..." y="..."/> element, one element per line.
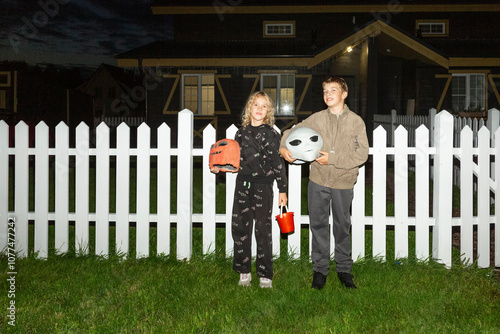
<point x="214" y="170"/>
<point x="287" y="155"/>
<point x="323" y="158"/>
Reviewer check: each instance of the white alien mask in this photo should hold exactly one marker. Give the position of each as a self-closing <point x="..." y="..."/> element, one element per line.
<point x="304" y="143"/>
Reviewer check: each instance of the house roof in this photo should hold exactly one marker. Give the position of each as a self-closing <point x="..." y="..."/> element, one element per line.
<point x="280" y="52"/>
<point x="173" y="7"/>
<point x="218" y="48"/>
<point x="125" y="79"/>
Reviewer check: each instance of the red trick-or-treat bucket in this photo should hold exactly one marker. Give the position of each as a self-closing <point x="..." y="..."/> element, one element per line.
<point x="285" y="221"/>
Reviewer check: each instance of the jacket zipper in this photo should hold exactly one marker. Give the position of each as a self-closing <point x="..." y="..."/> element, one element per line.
<point x="333" y="148"/>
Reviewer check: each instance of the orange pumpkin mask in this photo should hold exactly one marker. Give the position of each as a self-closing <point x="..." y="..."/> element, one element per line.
<point x="225" y="154"/>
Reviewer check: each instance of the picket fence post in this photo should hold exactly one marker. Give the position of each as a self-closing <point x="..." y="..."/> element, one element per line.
<point x="185" y="184"/>
<point x="209" y="192"/>
<point x="230" y="185"/>
<point x="466" y="195"/>
<point x="102" y="191"/>
<point x="443" y="187"/>
<point x="358" y="215"/>
<point x="379" y="192"/>
<point x="275" y="229"/>
<point x="21" y="196"/>
<point x="483" y="198"/>
<point x="143" y="186"/>
<point x="294" y="205"/>
<point x="62" y="188"/>
<point x="122" y="189"/>
<point x="401" y="192"/>
<point x="163" y="189"/>
<point x="82" y="189"/>
<point x="422" y="193"/>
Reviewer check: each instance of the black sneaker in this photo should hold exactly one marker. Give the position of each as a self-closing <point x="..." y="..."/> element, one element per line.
<point x="346" y="280"/>
<point x="319" y="280"/>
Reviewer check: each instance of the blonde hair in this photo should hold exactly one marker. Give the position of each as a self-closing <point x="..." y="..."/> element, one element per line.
<point x="246" y="118"/>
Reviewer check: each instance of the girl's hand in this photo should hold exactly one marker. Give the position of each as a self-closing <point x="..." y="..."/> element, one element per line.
<point x="282" y="200"/>
<point x="214" y="170"/>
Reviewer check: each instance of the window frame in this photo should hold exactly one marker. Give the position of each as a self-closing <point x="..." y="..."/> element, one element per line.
<point x="277" y="99"/>
<point x="467" y="76"/>
<point x="443" y="23"/>
<point x="200" y="101"/>
<point x="268" y="24"/>
<point x="6" y="79"/>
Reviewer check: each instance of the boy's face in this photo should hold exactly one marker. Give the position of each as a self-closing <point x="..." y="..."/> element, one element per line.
<point x="333" y="95"/>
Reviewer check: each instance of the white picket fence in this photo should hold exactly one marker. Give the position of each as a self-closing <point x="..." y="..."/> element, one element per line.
<point x="440" y="222"/>
<point x="411" y="123"/>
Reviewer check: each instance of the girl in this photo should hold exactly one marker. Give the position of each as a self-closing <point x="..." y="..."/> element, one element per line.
<point x="260" y="165"/>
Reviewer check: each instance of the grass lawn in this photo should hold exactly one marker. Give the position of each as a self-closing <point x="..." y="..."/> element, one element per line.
<point x="76" y="293"/>
<point x="89" y="294"/>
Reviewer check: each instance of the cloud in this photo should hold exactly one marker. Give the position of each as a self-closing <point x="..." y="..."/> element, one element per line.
<point x="73" y="32"/>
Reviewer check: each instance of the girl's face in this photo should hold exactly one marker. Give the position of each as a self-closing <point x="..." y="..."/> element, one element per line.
<point x="258" y="110"/>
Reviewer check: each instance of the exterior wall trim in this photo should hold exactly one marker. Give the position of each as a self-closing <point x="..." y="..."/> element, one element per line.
<point x="391" y="8"/>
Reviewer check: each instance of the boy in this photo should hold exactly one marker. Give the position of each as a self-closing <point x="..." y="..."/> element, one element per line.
<point x="331" y="180"/>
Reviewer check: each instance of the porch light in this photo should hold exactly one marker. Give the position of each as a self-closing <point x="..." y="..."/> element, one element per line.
<point x="349" y="49"/>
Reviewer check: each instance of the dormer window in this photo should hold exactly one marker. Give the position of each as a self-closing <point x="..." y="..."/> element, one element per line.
<point x="431" y="28"/>
<point x="279" y="28"/>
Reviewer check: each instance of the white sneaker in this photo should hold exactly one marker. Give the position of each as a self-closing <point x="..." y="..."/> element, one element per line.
<point x="245" y="279"/>
<point x="265" y="283"/>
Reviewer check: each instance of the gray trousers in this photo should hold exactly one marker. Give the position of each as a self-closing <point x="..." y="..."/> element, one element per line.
<point x="320" y="199"/>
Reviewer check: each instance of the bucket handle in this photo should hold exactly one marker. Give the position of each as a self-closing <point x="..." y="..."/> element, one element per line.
<point x="281" y="214"/>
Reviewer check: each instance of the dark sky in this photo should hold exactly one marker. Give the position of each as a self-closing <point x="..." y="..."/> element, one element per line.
<point x="77" y="32"/>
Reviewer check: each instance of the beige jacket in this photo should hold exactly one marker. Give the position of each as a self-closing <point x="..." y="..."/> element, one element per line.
<point x="345" y="140"/>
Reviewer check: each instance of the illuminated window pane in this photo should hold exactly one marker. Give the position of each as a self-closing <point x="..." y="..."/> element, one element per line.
<point x="467" y="92"/>
<point x="270" y="86"/>
<point x="287" y="95"/>
<point x="207" y="95"/>
<point x="199" y="93"/>
<point x="281" y="89"/>
<point x="279" y="29"/>
<point x="191" y="93"/>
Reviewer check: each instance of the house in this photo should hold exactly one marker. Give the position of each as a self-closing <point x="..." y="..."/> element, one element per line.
<point x="114" y="91"/>
<point x="33" y="94"/>
<point x="8" y="93"/>
<point x="409" y="56"/>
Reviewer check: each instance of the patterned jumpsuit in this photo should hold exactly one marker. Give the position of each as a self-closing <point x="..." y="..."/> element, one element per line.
<point x="260" y="165"/>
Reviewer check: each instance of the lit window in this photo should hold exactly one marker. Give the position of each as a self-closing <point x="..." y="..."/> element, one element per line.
<point x="432" y="27"/>
<point x="198" y="93"/>
<point x="279" y="29"/>
<point x="281" y="89"/>
<point x="467" y="92"/>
